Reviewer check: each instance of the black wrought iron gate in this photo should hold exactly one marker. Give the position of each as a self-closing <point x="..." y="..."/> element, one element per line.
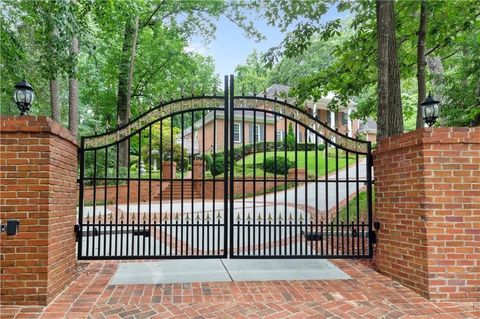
<point x="216" y="176"/>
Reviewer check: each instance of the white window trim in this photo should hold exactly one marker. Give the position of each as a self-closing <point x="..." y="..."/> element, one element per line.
<point x="279" y="138"/>
<point x="257" y="130"/>
<point x="239" y="133"/>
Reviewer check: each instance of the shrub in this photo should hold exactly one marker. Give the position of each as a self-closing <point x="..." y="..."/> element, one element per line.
<point x="290" y="139"/>
<point x="282" y="165"/>
<point x="207" y="158"/>
<point x="218" y="166"/>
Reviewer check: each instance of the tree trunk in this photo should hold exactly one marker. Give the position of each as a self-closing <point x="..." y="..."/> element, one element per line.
<point x="421" y="82"/>
<point x="73" y="89"/>
<point x="125" y="79"/>
<point x="389" y="108"/>
<point x="54" y="100"/>
<point x="435" y="66"/>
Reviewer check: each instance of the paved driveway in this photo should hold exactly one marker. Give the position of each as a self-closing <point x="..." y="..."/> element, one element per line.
<point x="367" y="295"/>
<point x="317" y="191"/>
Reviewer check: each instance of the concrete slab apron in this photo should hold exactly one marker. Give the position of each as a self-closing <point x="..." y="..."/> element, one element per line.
<point x="222" y="270"/>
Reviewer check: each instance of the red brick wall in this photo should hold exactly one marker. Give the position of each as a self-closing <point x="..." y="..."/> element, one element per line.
<point x="427" y="185"/>
<point x="122" y="192"/>
<point x="38" y="171"/>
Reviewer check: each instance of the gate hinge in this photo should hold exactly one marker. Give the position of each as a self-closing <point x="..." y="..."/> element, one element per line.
<point x="373" y="237"/>
<point x="77" y="229"/>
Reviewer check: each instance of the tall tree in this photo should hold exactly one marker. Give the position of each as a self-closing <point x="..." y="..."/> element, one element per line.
<point x="73" y="89"/>
<point x="125" y="79"/>
<point x="389" y="107"/>
<point x="421" y="62"/>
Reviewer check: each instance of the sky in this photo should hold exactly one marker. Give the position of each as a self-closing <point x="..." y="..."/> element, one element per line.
<point x="231" y="46"/>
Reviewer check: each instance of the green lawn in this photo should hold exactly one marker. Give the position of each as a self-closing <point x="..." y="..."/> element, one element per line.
<point x="352" y="208"/>
<point x="310" y="159"/>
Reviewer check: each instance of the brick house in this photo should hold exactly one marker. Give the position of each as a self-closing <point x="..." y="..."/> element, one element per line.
<point x="214" y="129"/>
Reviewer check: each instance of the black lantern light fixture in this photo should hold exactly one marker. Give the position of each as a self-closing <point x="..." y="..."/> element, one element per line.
<point x="23" y="96"/>
<point x="430" y="110"/>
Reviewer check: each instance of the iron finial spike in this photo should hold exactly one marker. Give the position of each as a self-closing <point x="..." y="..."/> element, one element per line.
<point x="254" y="90"/>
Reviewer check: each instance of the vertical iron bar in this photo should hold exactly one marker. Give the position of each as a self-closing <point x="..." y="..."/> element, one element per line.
<point x="150" y="186"/>
<point x="225" y="169"/>
<point x="128" y="196"/>
<point x="94" y="199"/>
<point x="232" y="185"/>
<point x="275" y="185"/>
<point x="369" y="198"/>
<point x="214" y="182"/>
<point x="306" y="189"/>
<point x="264" y="226"/>
<point x="139" y="187"/>
<point x="243" y="185"/>
<point x="254" y="229"/>
<point x="296" y="185"/>
<point x="337" y="196"/>
<point x="316" y="193"/>
<point x="105" y="205"/>
<point x="347" y="200"/>
<point x="358" y="202"/>
<point x="327" y="200"/>
<point x="81" y="159"/>
<point x="194" y="226"/>
<point x="203" y="184"/>
<point x="182" y="119"/>
<point x="286" y="188"/>
<point x="160" y="216"/>
<point x="171" y="187"/>
<point x="117" y="168"/>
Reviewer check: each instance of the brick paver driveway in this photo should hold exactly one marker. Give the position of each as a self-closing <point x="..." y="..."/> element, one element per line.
<point x="367" y="295"/>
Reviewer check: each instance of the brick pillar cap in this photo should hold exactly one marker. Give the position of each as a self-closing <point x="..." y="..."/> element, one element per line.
<point x="35" y="124"/>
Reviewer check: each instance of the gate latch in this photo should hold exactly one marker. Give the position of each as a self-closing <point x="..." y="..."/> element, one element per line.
<point x="77" y="229"/>
<point x="373" y="237"/>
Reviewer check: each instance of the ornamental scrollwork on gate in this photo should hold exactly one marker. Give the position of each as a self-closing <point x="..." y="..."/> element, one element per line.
<point x="149" y="117"/>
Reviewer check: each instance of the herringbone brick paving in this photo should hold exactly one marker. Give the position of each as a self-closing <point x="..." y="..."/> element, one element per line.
<point x="367" y="295"/>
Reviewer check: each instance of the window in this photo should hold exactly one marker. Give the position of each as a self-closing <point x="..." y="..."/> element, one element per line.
<point x="344" y="119"/>
<point x="236" y="133"/>
<point x="280" y="135"/>
<point x="257" y="133"/>
<point x="196" y="136"/>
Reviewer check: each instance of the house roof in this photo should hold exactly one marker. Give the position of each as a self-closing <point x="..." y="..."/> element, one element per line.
<point x="280" y="91"/>
<point x="277" y="90"/>
<point x="368" y="126"/>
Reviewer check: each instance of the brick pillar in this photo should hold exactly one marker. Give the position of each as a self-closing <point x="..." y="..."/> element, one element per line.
<point x="169" y="168"/>
<point x="198" y="167"/>
<point x="38" y="172"/>
<point x="427" y="185"/>
<point x="197" y="173"/>
<point x="300" y="173"/>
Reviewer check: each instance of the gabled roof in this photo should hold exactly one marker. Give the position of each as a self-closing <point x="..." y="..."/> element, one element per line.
<point x="369" y="125"/>
<point x="277" y="90"/>
<point x="280" y="91"/>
